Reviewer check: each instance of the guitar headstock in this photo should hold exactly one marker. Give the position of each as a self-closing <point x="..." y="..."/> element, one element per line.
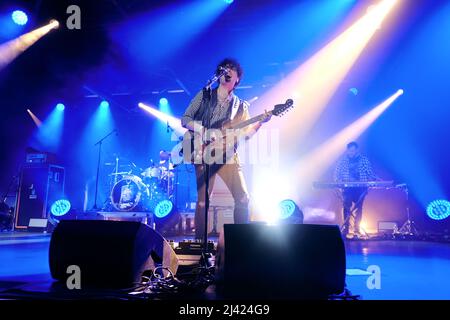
<point x="281" y="109"/>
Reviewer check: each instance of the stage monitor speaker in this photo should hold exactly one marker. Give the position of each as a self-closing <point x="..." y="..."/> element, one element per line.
<point x="292" y="261"/>
<point x="109" y="254"/>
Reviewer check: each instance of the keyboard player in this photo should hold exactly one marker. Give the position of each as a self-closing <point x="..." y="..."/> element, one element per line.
<point x="354" y="167"/>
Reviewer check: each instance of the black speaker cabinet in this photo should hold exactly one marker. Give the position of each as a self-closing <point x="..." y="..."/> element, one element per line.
<point x="109" y="254"/>
<point x="39" y="187"/>
<point x="280" y="262"/>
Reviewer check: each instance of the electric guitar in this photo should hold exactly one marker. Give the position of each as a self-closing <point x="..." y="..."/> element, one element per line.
<point x="194" y="146"/>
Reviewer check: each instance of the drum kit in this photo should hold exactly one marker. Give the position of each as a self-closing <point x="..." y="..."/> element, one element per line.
<point x="136" y="189"/>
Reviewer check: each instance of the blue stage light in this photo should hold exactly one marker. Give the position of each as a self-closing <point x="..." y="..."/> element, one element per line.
<point x="60" y="107"/>
<point x="163" y="102"/>
<point x="165" y="214"/>
<point x="438" y="209"/>
<point x="19" y="17"/>
<point x="228" y="1"/>
<point x="60" y="207"/>
<point x="104" y="104"/>
<point x="289" y="212"/>
<point x="163" y="209"/>
<point x="287" y="209"/>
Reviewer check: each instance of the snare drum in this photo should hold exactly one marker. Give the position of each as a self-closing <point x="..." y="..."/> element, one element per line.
<point x="152" y="172"/>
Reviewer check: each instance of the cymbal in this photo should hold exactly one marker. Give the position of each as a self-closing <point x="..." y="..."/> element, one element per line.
<point x="125" y="165"/>
<point x="119" y="173"/>
<point x="122" y="163"/>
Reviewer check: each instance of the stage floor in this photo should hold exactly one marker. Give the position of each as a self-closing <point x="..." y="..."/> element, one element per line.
<point x="409" y="269"/>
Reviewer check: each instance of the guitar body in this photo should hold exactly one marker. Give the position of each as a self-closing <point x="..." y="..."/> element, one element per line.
<point x="197" y="147"/>
<point x="218" y="145"/>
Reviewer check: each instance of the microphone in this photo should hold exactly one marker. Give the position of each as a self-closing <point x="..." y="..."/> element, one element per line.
<point x="223" y="70"/>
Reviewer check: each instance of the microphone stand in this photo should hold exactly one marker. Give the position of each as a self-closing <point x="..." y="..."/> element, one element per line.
<point x="99" y="143"/>
<point x="207" y="95"/>
<point x="408" y="228"/>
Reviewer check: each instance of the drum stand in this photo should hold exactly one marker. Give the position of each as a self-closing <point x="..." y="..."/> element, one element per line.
<point x="408" y="228"/>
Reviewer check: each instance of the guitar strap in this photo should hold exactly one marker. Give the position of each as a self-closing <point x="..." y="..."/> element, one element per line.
<point x="235" y="106"/>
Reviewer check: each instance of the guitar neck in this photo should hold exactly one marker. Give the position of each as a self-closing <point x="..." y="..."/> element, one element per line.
<point x="250" y="121"/>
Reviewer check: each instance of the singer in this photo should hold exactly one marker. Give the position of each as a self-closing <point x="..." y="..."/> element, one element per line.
<point x="223" y="105"/>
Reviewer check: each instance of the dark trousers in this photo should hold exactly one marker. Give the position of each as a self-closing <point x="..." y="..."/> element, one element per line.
<point x="353" y="199"/>
<point x="233" y="177"/>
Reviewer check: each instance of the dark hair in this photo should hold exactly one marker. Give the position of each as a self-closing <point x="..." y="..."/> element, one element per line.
<point x="352" y="144"/>
<point x="233" y="64"/>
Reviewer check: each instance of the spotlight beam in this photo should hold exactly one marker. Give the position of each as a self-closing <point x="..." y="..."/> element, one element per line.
<point x="35" y="119"/>
<point x="174" y="122"/>
<point x="181" y="23"/>
<point x="50" y="132"/>
<point x="313" y="165"/>
<point x="313" y="84"/>
<point x="12" y="49"/>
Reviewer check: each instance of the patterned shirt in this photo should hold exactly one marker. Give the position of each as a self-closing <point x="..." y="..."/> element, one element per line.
<point x="358" y="170"/>
<point x="220" y="113"/>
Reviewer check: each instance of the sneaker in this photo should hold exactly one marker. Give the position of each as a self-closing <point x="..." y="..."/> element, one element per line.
<point x="350" y="236"/>
<point x="360" y="236"/>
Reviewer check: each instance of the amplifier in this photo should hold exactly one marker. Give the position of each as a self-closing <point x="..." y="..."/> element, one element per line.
<point x="36" y="158"/>
<point x="39" y="187"/>
<point x="387" y="227"/>
<point x="193" y="247"/>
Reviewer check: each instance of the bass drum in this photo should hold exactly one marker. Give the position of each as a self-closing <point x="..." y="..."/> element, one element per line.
<point x="130" y="194"/>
